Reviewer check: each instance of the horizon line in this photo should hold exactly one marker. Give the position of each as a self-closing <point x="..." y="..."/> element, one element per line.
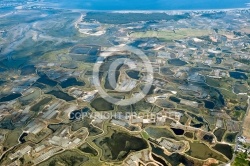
<point x="156" y="10"/>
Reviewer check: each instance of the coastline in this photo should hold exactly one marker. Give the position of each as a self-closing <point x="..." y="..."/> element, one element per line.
<point x="159" y="11"/>
<point x="163" y="11"/>
<point x="246" y="6"/>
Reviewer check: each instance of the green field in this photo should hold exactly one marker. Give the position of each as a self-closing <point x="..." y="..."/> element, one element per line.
<point x="171" y="35"/>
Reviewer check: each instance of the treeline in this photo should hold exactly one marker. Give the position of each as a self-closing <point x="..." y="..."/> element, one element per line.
<point x="125" y="18"/>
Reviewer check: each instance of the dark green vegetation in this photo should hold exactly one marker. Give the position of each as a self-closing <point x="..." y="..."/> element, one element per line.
<point x="189" y="135"/>
<point x="202" y="151"/>
<point x="230" y="137"/>
<point x="141" y="105"/>
<point x="159" y="132"/>
<point x="177" y="62"/>
<point x="116" y="73"/>
<point x="39" y="85"/>
<point x="243" y="60"/>
<point x="176" y="158"/>
<point x="69" y="65"/>
<point x="6" y="123"/>
<point x="119" y="145"/>
<point x="240" y="88"/>
<point x="86" y="49"/>
<point x="69" y="158"/>
<point x="107" y="84"/>
<point x="183" y="119"/>
<point x="86" y="148"/>
<point x="12" y="138"/>
<point x="124" y="108"/>
<point x="55" y="127"/>
<point x="225" y="150"/>
<point x="85" y="53"/>
<point x="219" y="133"/>
<point x="27" y="70"/>
<point x="195" y="117"/>
<point x="174" y="99"/>
<point x="61" y="95"/>
<point x="208" y="138"/>
<point x="28" y="99"/>
<point x="100" y="104"/>
<point x="241" y="160"/>
<point x="151" y="90"/>
<point x="84" y="58"/>
<point x="165" y="104"/>
<point x="166" y="71"/>
<point x="40" y="105"/>
<point x="124" y="18"/>
<point x="93" y="131"/>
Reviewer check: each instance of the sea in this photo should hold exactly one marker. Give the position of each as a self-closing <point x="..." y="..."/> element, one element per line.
<point x="151" y="4"/>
